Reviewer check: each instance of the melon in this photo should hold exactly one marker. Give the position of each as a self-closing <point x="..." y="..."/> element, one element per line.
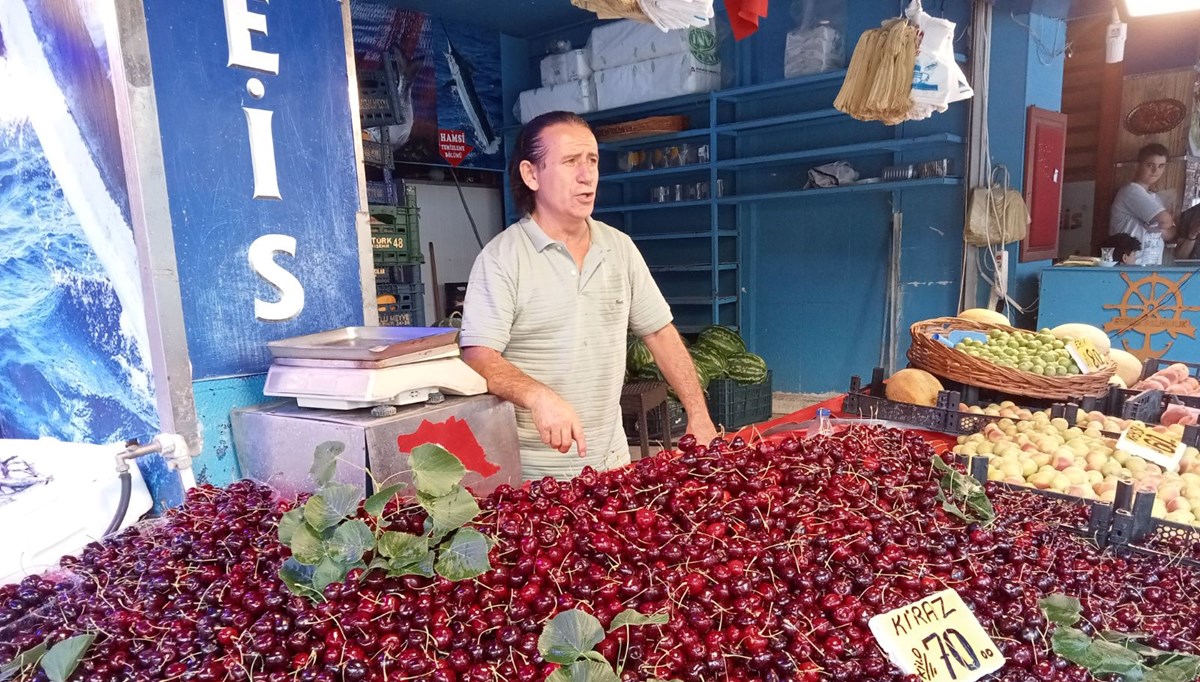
<point x="1129" y="368"/>
<point x="637" y="354"/>
<point x="721" y="339"/>
<point x="984" y="316"/>
<point x="913" y="386"/>
<point x="746" y="368"/>
<point x="1074" y="330"/>
<point x="1117" y="381"/>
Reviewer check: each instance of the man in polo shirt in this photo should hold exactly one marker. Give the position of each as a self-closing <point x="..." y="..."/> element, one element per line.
<point x="549" y="303"/>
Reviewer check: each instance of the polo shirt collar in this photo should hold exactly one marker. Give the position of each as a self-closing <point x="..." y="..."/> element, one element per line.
<point x="541" y="241"/>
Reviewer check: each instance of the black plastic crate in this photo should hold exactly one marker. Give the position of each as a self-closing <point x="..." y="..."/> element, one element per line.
<point x="379" y="153"/>
<point x="676" y="423"/>
<point x="376" y="105"/>
<point x="1135" y="530"/>
<point x="398" y="274"/>
<point x="380" y="192"/>
<point x="409" y="308"/>
<point x="733" y="405"/>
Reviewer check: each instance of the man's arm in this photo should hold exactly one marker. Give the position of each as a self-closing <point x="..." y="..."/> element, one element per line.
<point x="1166" y="223"/>
<point x="555" y="419"/>
<point x="677" y="367"/>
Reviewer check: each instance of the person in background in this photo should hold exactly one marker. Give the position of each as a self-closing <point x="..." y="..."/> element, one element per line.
<point x="1138" y="212"/>
<point x="1189" y="232"/>
<point x="1125" y="248"/>
<point x="549" y="303"/>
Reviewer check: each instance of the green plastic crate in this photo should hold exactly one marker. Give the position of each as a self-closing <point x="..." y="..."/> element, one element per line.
<point x="395" y="235"/>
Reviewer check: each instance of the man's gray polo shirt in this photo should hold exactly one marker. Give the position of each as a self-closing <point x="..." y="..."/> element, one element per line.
<point x="566" y="329"/>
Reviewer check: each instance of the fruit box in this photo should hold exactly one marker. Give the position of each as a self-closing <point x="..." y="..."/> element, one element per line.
<point x="733" y="405"/>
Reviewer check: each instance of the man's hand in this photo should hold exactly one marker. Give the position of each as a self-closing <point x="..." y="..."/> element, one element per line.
<point x="702" y="428"/>
<point x="557" y="423"/>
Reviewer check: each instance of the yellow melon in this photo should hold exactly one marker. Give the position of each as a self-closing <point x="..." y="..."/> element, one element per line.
<point x="913" y="386"/>
<point x="1074" y="330"/>
<point x="984" y="316"/>
<point x="1129" y="368"/>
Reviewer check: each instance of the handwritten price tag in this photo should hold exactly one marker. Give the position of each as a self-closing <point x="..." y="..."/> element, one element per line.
<point x="1085" y="355"/>
<point x="1164" y="449"/>
<point x="937" y="639"/>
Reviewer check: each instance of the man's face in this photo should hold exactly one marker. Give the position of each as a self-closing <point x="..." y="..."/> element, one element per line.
<point x="565" y="180"/>
<point x="1151" y="170"/>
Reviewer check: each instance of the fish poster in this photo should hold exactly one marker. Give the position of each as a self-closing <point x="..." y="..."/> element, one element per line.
<point x="441" y="76"/>
<point x="74" y="359"/>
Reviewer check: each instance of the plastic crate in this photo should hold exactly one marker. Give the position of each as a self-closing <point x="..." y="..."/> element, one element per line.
<point x="733" y="405"/>
<point x="395" y="235"/>
<point x="676" y="420"/>
<point x="409" y="308"/>
<point x="378" y="153"/>
<point x="380" y="192"/>
<point x="1154" y="364"/>
<point x="398" y="274"/>
<point x="375" y="104"/>
<point x="1136" y="531"/>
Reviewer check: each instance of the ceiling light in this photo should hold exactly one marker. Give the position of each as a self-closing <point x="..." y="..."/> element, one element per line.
<point x="1145" y="8"/>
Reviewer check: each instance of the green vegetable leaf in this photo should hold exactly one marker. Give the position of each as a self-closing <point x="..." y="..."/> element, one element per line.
<point x="596" y="656"/>
<point x="451" y="511"/>
<point x="328" y="572"/>
<point x="23" y="661"/>
<point x="307" y="547"/>
<point x="62" y="658"/>
<point x="376" y="503"/>
<point x="1061" y="609"/>
<point x="422" y="567"/>
<point x="568" y="635"/>
<point x="291" y="520"/>
<point x="298" y="578"/>
<point x="1175" y="668"/>
<point x="435" y="471"/>
<point x="350" y="541"/>
<point x="963" y="496"/>
<point x="331" y="504"/>
<point x="633" y="617"/>
<point x="403" y="548"/>
<point x="1098" y="656"/>
<point x="465" y="557"/>
<point x="325" y="461"/>
<point x="584" y="671"/>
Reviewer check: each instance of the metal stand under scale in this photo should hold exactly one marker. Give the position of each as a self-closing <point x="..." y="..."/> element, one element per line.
<point x="377" y="367"/>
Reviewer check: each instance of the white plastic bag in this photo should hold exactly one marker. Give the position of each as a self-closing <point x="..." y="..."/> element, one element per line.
<point x="937" y="79"/>
<point x="816" y="44"/>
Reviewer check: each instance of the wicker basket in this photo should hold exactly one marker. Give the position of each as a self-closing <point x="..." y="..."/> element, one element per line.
<point x="937" y="358"/>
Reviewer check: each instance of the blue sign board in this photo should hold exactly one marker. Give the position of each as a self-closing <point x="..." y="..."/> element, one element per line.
<point x="258" y="142"/>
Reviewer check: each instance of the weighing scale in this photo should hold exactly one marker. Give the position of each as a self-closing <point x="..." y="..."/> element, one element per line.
<point x="360" y="367"/>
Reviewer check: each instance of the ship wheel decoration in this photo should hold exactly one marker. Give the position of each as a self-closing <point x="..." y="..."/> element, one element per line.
<point x="1150" y="306"/>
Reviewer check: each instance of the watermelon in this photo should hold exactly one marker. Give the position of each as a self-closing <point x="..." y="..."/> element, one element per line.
<point x="637" y="354"/>
<point x="721" y="339"/>
<point x="712" y="361"/>
<point x="746" y="368"/>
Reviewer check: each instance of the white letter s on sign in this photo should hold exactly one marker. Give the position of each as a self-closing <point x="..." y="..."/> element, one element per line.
<point x="291" y="292"/>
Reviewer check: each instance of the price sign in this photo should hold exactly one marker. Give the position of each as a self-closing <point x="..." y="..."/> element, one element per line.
<point x="1085" y="355"/>
<point x="937" y="639"/>
<point x="1164" y="449"/>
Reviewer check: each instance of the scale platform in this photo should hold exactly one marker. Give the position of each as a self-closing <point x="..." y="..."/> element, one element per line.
<point x="360" y="367"/>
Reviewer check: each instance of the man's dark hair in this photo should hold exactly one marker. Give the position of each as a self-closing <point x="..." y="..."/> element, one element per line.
<point x="532" y="148"/>
<point x="1122" y="245"/>
<point x="1152" y="150"/>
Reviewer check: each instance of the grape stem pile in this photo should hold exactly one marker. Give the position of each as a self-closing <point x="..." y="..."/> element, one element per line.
<point x="767" y="562"/>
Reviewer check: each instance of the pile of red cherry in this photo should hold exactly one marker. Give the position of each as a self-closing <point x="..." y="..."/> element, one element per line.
<point x="769" y="560"/>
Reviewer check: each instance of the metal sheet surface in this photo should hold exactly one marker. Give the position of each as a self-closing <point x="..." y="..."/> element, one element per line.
<point x="364" y="344"/>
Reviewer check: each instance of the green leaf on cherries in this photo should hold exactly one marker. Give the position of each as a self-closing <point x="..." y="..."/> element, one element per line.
<point x="451" y="511"/>
<point x="298" y="578"/>
<point x="403" y="548"/>
<point x="376" y="503"/>
<point x="307" y="547"/>
<point x="327" y="572"/>
<point x="291" y="520"/>
<point x="62" y="658"/>
<point x="23" y="661"/>
<point x="465" y="557"/>
<point x="436" y="472"/>
<point x="584" y="671"/>
<point x="422" y="567"/>
<point x="632" y="617"/>
<point x="962" y="496"/>
<point x="1175" y="668"/>
<point x="350" y="541"/>
<point x="325" y="461"/>
<point x="331" y="504"/>
<point x="1061" y="609"/>
<point x="1098" y="656"/>
<point x="568" y="635"/>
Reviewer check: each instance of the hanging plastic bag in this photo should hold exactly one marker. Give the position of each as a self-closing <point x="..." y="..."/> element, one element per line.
<point x="937" y="79"/>
<point x="816" y="45"/>
<point x="997" y="214"/>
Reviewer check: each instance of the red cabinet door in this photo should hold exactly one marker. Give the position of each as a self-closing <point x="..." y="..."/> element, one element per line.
<point x="1045" y="156"/>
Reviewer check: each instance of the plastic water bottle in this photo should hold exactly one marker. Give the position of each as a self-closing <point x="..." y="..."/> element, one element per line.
<point x="824" y="423"/>
<point x="1152" y="249"/>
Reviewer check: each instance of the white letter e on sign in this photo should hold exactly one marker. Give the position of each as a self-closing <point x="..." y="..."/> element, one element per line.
<point x="291" y="292"/>
<point x="239" y="23"/>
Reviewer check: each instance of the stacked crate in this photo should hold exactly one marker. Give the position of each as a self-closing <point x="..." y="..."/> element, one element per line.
<point x="396" y="244"/>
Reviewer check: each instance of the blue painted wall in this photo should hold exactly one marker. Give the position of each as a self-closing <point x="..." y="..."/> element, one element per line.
<point x="1027" y="64"/>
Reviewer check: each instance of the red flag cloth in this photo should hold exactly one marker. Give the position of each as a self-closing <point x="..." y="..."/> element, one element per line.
<point x="744" y="16"/>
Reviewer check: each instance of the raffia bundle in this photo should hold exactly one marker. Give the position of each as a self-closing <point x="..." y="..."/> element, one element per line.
<point x="878" y="85"/>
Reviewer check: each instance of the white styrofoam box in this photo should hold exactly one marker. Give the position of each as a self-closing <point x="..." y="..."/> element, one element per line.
<point x="628" y="42"/>
<point x="670" y="76"/>
<point x="562" y="68"/>
<point x="575" y="96"/>
<point x="41" y="524"/>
